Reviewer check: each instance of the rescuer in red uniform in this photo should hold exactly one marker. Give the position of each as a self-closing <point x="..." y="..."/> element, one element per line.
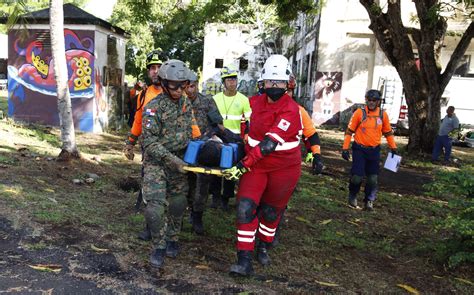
<point x="271" y="167"/>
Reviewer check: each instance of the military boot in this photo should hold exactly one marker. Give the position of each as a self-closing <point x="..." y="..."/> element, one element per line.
<point x="145" y="235"/>
<point x="369" y="205"/>
<point x="157" y="258"/>
<point x="198" y="227"/>
<point x="244" y="264"/>
<point x="353" y="201"/>
<point x="172" y="249"/>
<point x="262" y="253"/>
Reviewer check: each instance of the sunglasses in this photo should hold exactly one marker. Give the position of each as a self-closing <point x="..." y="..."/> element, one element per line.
<point x="372" y="99"/>
<point x="176" y="85"/>
<point x="275" y="82"/>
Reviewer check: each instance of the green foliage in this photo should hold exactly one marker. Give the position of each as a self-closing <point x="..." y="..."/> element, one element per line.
<point x="459" y="187"/>
<point x="178" y="29"/>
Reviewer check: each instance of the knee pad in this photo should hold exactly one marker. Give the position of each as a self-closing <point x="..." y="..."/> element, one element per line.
<point x="372" y="179"/>
<point x="246" y="210"/>
<point x="356" y="179"/>
<point x="269" y="213"/>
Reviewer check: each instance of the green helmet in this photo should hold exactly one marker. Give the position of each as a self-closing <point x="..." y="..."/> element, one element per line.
<point x="174" y="70"/>
<point x="153" y="58"/>
<point x="227" y="72"/>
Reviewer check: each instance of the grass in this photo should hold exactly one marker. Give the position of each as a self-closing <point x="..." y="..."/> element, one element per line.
<point x="323" y="239"/>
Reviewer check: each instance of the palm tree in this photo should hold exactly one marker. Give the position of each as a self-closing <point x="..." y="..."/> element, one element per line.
<point x="68" y="138"/>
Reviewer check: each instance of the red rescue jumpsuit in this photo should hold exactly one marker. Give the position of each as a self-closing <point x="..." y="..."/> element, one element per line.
<point x="272" y="178"/>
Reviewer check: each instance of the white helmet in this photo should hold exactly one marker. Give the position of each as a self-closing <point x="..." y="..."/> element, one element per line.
<point x="276" y="68"/>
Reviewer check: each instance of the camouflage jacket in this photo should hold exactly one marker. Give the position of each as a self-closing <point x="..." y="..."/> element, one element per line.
<point x="166" y="127"/>
<point x="202" y="104"/>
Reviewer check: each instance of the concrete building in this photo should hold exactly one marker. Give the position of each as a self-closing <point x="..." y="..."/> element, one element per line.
<point x="231" y="44"/>
<point x="95" y="53"/>
<point x="3" y="60"/>
<point x="336" y="59"/>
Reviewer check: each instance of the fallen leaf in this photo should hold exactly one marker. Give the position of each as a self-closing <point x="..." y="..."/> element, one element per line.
<point x="438" y="277"/>
<point x="299" y="218"/>
<point x="340" y="233"/>
<point x="409" y="289"/>
<point x="202" y="266"/>
<point x="268" y="281"/>
<point x="47" y="267"/>
<point x="327" y="284"/>
<point x="49" y="190"/>
<point x="465" y="281"/>
<point x="324" y="222"/>
<point x="352" y="222"/>
<point x="100" y="250"/>
<point x="40" y="181"/>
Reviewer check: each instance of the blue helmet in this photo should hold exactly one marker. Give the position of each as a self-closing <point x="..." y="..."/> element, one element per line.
<point x="372" y="93"/>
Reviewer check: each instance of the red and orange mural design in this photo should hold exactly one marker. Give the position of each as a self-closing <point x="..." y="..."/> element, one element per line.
<point x="32" y="87"/>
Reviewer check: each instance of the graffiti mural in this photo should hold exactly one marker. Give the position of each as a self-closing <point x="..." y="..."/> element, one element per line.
<point x="32" y="87"/>
<point x="246" y="87"/>
<point x="326" y="105"/>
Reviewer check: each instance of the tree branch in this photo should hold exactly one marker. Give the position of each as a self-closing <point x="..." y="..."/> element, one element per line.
<point x="457" y="55"/>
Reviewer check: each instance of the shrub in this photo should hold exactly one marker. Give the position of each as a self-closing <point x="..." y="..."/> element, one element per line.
<point x="458" y="187"/>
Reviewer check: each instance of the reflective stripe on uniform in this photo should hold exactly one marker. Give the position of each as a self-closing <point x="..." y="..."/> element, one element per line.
<point x="269" y="232"/>
<point x="246" y="240"/>
<point x="280" y="147"/>
<point x="276" y="136"/>
<point x="232" y="117"/>
<point x="246" y="233"/>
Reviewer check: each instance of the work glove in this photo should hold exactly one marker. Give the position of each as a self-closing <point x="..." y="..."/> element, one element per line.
<point x="394" y="152"/>
<point x="128" y="151"/>
<point x="235" y="172"/>
<point x="317" y="164"/>
<point x="346" y="155"/>
<point x="309" y="158"/>
<point x="175" y="163"/>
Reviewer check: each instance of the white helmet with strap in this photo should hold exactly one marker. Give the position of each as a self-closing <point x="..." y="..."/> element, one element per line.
<point x="276" y="68"/>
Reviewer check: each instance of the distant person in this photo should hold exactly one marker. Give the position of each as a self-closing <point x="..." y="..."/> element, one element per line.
<point x="233" y="107"/>
<point x="132" y="102"/>
<point x="368" y="124"/>
<point x="449" y="123"/>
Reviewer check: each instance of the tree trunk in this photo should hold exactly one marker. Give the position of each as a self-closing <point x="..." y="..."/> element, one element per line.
<point x="423" y="87"/>
<point x="58" y="49"/>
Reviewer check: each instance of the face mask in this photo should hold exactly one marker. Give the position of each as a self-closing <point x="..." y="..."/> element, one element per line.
<point x="275" y="93"/>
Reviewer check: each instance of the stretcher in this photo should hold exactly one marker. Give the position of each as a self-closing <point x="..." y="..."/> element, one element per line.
<point x="203" y="170"/>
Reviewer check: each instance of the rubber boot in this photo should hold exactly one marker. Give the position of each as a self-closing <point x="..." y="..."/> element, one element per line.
<point x="262" y="253"/>
<point x="157" y="258"/>
<point x="172" y="249"/>
<point x="198" y="227"/>
<point x="145" y="235"/>
<point x="244" y="264"/>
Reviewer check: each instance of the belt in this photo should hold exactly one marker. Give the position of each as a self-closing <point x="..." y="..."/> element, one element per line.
<point x="366" y="147"/>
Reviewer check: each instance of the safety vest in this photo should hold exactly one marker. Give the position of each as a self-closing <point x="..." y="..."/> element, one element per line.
<point x="232" y="109"/>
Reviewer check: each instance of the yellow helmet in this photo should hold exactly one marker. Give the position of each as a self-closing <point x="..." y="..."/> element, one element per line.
<point x="153" y="58"/>
<point x="227" y="72"/>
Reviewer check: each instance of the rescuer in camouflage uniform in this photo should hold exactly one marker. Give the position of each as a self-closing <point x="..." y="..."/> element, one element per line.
<point x="167" y="129"/>
<point x="207" y="115"/>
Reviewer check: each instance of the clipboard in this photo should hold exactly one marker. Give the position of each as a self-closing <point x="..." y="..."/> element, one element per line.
<point x="392" y="162"/>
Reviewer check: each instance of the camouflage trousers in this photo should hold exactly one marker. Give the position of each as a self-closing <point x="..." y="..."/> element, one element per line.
<point x="165" y="192"/>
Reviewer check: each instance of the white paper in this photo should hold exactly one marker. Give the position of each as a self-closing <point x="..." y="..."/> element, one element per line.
<point x="392" y="162"/>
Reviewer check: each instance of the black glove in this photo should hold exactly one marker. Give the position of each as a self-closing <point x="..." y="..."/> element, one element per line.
<point x="317" y="164"/>
<point x="346" y="155"/>
<point x="394" y="152"/>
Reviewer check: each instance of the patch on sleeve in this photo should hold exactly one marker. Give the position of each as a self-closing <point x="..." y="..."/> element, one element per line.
<point x="150" y="112"/>
<point x="284" y="124"/>
<point x="379" y="121"/>
<point x="148" y="123"/>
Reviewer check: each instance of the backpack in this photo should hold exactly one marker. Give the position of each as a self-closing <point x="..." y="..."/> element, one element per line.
<point x="364" y="115"/>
